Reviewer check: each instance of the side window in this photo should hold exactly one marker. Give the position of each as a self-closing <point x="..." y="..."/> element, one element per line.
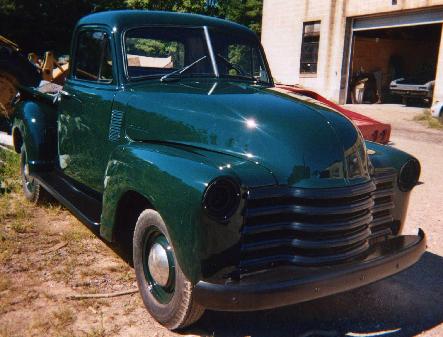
<point x="309" y="47"/>
<point x="93" y="59"/>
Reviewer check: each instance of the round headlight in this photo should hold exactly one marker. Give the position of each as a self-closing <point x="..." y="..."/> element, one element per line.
<point x="221" y="198"/>
<point x="409" y="174"/>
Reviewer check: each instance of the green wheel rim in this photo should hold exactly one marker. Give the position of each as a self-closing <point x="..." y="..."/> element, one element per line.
<point x="163" y="294"/>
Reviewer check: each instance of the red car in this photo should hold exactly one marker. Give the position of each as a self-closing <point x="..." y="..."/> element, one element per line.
<point x="371" y="129"/>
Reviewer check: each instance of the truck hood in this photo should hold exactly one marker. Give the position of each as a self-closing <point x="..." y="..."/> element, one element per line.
<point x="300" y="142"/>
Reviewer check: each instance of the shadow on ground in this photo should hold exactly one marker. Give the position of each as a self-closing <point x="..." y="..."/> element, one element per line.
<point x="403" y="305"/>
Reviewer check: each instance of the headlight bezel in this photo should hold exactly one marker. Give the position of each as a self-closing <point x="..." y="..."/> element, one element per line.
<point x="221" y="198"/>
<point x="409" y="175"/>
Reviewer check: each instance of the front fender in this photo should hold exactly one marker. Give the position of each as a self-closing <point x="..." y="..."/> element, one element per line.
<point x="383" y="156"/>
<point x="386" y="157"/>
<point x="173" y="179"/>
<point x="35" y="123"/>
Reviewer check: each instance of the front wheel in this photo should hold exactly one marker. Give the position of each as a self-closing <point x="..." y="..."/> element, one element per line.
<point x="165" y="290"/>
<point x="33" y="191"/>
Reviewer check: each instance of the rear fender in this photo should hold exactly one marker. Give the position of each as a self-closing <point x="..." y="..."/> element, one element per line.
<point x="35" y="126"/>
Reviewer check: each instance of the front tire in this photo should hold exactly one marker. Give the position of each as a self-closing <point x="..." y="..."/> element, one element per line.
<point x="165" y="290"/>
<point x="32" y="190"/>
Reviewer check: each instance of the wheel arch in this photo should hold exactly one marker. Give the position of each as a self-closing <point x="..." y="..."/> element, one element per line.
<point x="130" y="205"/>
<point x="17" y="139"/>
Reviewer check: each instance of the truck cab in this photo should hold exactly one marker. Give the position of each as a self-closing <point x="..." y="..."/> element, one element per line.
<point x="169" y="136"/>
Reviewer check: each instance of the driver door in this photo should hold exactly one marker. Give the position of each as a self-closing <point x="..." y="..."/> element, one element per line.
<point x="85" y="109"/>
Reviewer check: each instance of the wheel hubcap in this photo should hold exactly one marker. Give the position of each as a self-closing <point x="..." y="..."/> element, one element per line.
<point x="158" y="264"/>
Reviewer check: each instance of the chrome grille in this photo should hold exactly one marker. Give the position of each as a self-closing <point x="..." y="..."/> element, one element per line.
<point x="305" y="227"/>
<point x="383" y="203"/>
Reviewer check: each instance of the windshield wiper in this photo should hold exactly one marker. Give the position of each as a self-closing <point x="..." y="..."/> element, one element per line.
<point x="232" y="65"/>
<point x="241" y="73"/>
<point x="182" y="70"/>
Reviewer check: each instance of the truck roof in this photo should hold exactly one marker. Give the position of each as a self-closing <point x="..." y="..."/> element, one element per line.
<point x="124" y="19"/>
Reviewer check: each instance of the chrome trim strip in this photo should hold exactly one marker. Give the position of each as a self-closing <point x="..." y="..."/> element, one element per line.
<point x="211" y="51"/>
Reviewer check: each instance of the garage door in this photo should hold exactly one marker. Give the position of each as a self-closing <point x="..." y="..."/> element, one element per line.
<point x="399" y="20"/>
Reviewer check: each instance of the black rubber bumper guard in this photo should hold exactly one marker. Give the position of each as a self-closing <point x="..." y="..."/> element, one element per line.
<point x="290" y="285"/>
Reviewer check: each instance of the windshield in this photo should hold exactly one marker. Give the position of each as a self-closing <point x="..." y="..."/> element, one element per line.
<point x="168" y="52"/>
<point x="157" y="51"/>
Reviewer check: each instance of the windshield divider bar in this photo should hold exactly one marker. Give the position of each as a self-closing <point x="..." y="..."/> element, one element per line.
<point x="211" y="51"/>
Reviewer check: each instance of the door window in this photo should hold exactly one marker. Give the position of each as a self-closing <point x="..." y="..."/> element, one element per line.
<point x="93" y="61"/>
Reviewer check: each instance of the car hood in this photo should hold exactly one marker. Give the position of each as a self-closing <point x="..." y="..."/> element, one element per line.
<point x="300" y="142"/>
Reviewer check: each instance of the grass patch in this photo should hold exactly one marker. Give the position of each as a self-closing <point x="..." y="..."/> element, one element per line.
<point x="64" y="317"/>
<point x="9" y="168"/>
<point x="428" y="120"/>
<point x="15" y="211"/>
<point x="96" y="332"/>
<point x="77" y="233"/>
<point x="20" y="227"/>
<point x="67" y="271"/>
<point x="5" y="332"/>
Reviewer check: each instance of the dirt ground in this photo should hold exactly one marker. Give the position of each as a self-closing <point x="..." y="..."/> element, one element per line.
<point x="46" y="255"/>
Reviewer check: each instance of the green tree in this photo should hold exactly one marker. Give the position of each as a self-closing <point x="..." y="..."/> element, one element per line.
<point x="47" y="25"/>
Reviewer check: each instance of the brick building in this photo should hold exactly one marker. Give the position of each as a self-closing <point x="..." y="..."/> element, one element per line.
<point x="323" y="44"/>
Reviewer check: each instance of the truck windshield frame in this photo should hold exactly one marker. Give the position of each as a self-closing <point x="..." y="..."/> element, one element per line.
<point x="152" y="52"/>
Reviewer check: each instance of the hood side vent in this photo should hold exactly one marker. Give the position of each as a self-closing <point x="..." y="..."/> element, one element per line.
<point x="115" y="125"/>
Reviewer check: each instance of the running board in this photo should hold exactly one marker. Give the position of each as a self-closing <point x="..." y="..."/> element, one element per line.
<point x="85" y="207"/>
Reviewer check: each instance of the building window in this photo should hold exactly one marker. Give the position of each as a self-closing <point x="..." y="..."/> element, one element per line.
<point x="309" y="47"/>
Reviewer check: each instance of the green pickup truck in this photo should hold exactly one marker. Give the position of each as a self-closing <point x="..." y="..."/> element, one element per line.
<point x="170" y="136"/>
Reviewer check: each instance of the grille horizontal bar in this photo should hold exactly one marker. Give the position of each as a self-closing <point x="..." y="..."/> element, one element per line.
<point x="329" y="193"/>
<point x="309" y="244"/>
<point x="315" y="210"/>
<point x="383" y="203"/>
<point x="303" y="260"/>
<point x="310" y="227"/>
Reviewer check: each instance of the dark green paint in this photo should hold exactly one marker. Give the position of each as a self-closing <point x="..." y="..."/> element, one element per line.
<point x="178" y="136"/>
